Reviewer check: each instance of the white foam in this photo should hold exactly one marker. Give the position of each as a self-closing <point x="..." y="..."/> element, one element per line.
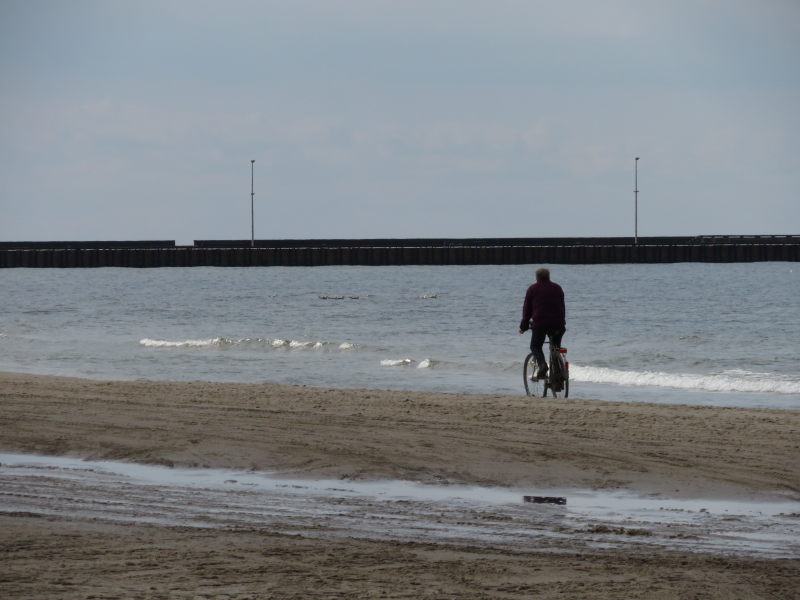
<point x="222" y="341"/>
<point x="426" y="363"/>
<point x="300" y="345"/>
<point x="151" y="343"/>
<point x="727" y="381"/>
<point x="401" y="362"/>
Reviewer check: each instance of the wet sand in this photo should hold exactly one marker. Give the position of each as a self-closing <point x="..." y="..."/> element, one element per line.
<point x="354" y="435"/>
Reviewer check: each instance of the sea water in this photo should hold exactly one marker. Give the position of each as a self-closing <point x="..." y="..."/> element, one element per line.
<point x="693" y="333"/>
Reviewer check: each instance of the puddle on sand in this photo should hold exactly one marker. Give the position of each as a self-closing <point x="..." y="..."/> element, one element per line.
<point x="400" y="510"/>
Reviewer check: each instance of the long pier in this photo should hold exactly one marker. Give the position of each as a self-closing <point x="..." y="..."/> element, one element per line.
<point x="417" y="251"/>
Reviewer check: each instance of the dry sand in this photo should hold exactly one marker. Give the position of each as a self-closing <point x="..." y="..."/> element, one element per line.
<point x="488" y="440"/>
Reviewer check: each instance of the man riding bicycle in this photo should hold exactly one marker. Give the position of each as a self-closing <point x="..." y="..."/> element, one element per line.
<point x="544" y="314"/>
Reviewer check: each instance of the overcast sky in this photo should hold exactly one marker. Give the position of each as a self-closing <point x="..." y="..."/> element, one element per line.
<point x="377" y="118"/>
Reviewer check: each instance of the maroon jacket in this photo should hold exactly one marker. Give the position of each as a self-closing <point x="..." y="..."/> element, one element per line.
<point x="544" y="306"/>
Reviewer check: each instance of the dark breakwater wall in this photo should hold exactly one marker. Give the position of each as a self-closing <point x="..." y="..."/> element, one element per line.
<point x="86" y="244"/>
<point x="375" y="255"/>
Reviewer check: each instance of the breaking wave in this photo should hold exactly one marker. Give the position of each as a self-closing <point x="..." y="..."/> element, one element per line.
<point x="296" y="344"/>
<point x="425" y="363"/>
<point x="736" y="380"/>
<point x="400" y="362"/>
<point x="211" y="342"/>
<point x="221" y="342"/>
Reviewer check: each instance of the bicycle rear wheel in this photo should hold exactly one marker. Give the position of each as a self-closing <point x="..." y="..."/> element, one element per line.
<point x="533" y="386"/>
<point x="557" y="377"/>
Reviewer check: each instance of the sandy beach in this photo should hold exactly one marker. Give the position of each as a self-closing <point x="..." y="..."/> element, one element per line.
<point x="660" y="451"/>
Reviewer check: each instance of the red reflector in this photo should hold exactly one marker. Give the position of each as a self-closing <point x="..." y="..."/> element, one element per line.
<point x="562" y="350"/>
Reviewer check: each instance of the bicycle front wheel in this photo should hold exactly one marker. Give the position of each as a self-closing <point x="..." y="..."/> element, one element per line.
<point x="533" y="386"/>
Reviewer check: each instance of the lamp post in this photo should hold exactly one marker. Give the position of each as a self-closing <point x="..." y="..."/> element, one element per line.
<point x="252" y="210"/>
<point x="636" y="202"/>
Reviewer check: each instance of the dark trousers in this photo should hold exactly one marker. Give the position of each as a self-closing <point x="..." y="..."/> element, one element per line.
<point x="537" y="341"/>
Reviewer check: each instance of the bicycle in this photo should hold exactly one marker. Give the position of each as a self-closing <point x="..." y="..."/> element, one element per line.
<point x="557" y="378"/>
